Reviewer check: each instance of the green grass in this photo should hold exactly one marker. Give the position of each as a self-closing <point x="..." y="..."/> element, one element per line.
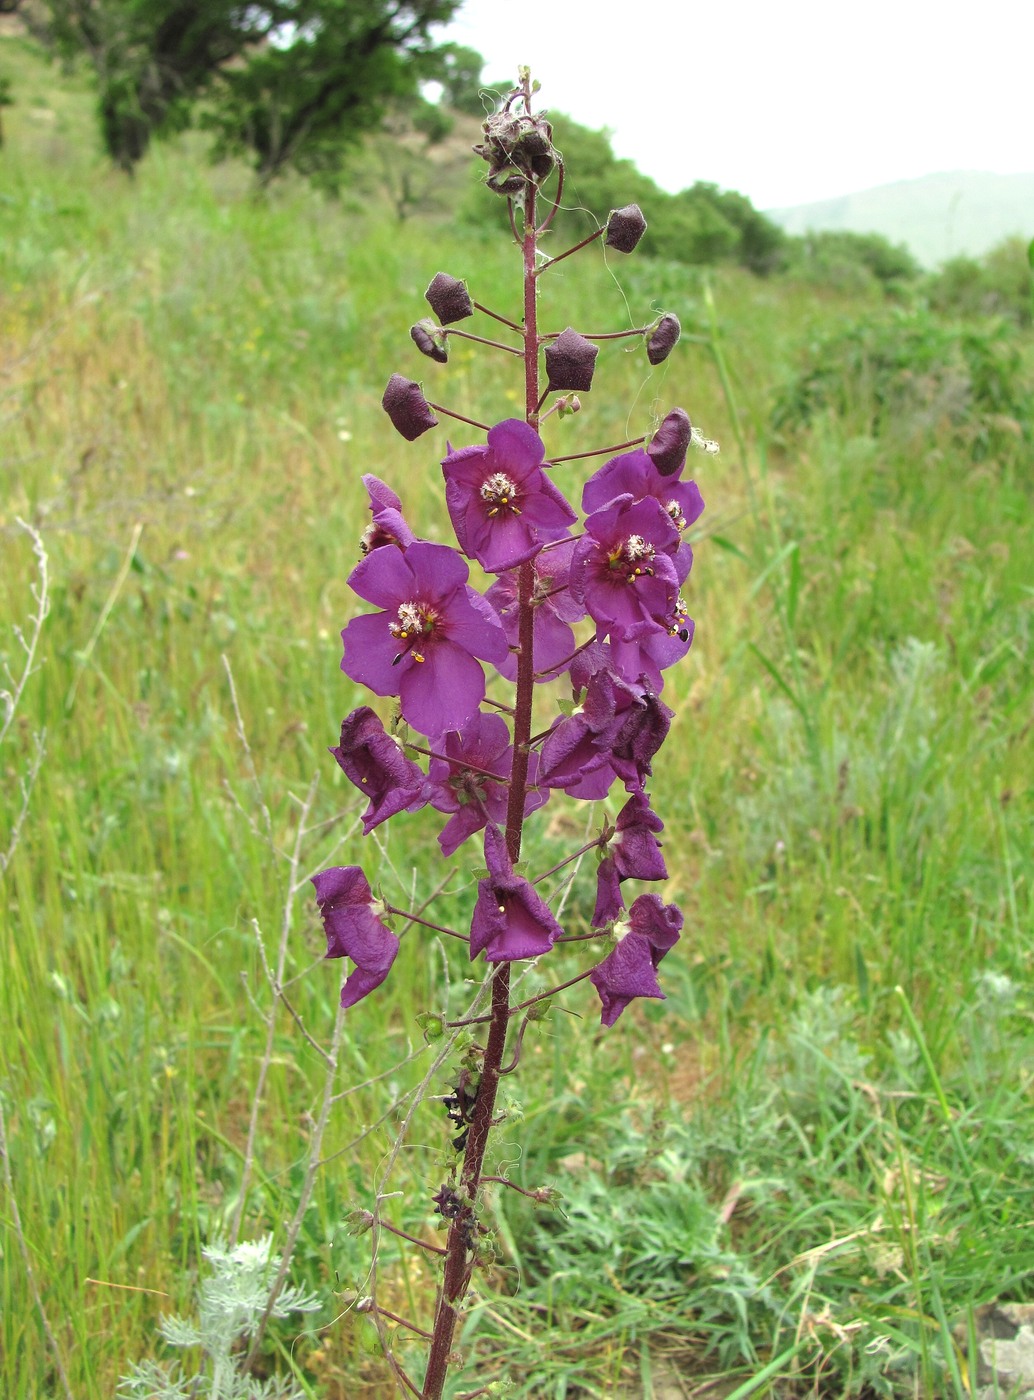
<point x="791" y="1175"/>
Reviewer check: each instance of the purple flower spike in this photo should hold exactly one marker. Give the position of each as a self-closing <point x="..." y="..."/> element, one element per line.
<point x="625" y="227"/>
<point x="422" y="646"/>
<point x="353" y="929"/>
<point x="449" y="299"/>
<point x="502" y="505"/>
<point x="405" y="405"/>
<point x="510" y="920"/>
<point x="643" y="939"/>
<point x="388" y="525"/>
<point x="570" y="361"/>
<point x="670" y="443"/>
<point x="661" y="338"/>
<point x="375" y="762"/>
<point x="458" y="783"/>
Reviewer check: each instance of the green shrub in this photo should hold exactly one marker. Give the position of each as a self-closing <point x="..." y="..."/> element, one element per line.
<point x="999" y="284"/>
<point x="912" y="375"/>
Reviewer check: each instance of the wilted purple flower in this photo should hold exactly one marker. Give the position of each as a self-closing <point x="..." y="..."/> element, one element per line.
<point x="458" y="783"/>
<point x="630" y="970"/>
<point x="502" y="505"/>
<point x="670" y="443"/>
<point x="614" y="732"/>
<point x="422" y="646"/>
<point x="430" y="340"/>
<point x="635" y="850"/>
<point x="449" y="299"/>
<point x="570" y="361"/>
<point x="405" y="405"/>
<point x="354" y="930"/>
<point x="662" y="337"/>
<point x="622" y="570"/>
<point x="625" y="227"/>
<point x="388" y="525"/>
<point x="553" y="611"/>
<point x="375" y="762"/>
<point x="510" y="919"/>
<point x="635" y="474"/>
<point x="609" y="903"/>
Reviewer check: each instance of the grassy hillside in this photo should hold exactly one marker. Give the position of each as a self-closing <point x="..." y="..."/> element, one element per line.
<point x="792" y="1178"/>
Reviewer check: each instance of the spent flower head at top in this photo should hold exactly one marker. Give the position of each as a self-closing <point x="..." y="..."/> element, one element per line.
<point x="518" y="148"/>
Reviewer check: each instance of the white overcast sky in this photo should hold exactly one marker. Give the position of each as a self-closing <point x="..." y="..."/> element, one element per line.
<point x="788" y="101"/>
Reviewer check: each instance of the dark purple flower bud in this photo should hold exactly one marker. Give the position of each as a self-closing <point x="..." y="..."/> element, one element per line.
<point x="405" y="405"/>
<point x="648" y="934"/>
<point x="570" y="361"/>
<point x="510" y="919"/>
<point x="625" y="227"/>
<point x="375" y="762"/>
<point x="430" y="340"/>
<point x="662" y="337"/>
<point x="670" y="443"/>
<point x="449" y="299"/>
<point x="354" y="930"/>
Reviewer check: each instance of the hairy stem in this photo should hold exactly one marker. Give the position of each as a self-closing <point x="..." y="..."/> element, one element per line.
<point x="463" y="1231"/>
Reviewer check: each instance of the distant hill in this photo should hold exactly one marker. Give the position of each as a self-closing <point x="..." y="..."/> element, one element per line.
<point x="938" y="216"/>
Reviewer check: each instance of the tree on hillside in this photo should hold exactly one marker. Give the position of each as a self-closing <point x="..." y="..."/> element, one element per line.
<point x="286" y="83"/>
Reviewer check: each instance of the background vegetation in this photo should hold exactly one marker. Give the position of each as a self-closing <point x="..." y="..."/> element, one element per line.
<point x="810" y="1165"/>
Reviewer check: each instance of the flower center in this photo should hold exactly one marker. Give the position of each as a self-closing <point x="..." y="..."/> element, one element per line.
<point x="679" y="618"/>
<point x="414" y="625"/>
<point x="499" y="493"/>
<point x="677" y="518"/>
<point x="373" y="537"/>
<point x="633" y="558"/>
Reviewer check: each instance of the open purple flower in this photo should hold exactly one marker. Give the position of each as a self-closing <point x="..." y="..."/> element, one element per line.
<point x="354" y="930"/>
<point x="422" y="646"/>
<point x="458" y="783"/>
<point x="645" y="657"/>
<point x="388" y="525"/>
<point x="635" y="474"/>
<point x="375" y="762"/>
<point x="502" y="505"/>
<point x="554" y="610"/>
<point x="623" y="570"/>
<point x="630" y="970"/>
<point x="510" y="919"/>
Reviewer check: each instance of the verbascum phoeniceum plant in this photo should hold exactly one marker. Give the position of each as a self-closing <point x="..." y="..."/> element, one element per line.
<point x="594" y="602"/>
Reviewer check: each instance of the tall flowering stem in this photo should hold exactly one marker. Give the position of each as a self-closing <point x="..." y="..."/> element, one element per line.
<point x="618" y="578"/>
